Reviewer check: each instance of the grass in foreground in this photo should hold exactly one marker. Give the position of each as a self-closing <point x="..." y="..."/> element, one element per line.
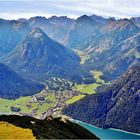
<point x="9" y="131"/>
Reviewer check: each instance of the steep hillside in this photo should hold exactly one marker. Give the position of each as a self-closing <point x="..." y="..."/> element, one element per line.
<point x="55" y="27"/>
<point x="82" y="30"/>
<point x="115" y="106"/>
<point x="39" y="55"/>
<point x="105" y="48"/>
<point x="11" y="32"/>
<point x="98" y="38"/>
<point x="13" y="86"/>
<point x="49" y="128"/>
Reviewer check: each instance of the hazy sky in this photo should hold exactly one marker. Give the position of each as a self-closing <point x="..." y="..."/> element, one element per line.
<point x="14" y="9"/>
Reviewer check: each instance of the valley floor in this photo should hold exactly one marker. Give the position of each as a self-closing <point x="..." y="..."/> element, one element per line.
<point x="49" y="102"/>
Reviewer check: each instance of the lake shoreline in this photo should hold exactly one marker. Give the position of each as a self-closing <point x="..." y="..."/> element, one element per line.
<point x="119" y="130"/>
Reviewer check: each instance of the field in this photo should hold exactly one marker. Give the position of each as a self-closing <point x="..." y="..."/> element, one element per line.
<point x="39" y="105"/>
<point x="9" y="131"/>
<point x="34" y="105"/>
<point x="74" y="99"/>
<point x="91" y="88"/>
<point x="97" y="75"/>
<point x="84" y="57"/>
<point x="50" y="101"/>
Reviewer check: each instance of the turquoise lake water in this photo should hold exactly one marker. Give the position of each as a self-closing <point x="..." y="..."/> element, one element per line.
<point x="109" y="133"/>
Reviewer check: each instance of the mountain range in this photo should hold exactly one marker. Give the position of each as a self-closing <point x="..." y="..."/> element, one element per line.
<point x="102" y="39"/>
<point x="40" y="56"/>
<point x="83" y="55"/>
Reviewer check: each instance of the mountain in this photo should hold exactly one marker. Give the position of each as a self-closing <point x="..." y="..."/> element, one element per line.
<point x="49" y="128"/>
<point x="22" y="20"/>
<point x="39" y="55"/>
<point x="83" y="28"/>
<point x="99" y="19"/>
<point x="136" y="20"/>
<point x="11" y="32"/>
<point x="114" y="106"/>
<point x="55" y="27"/>
<point x="127" y="54"/>
<point x="106" y="49"/>
<point x="13" y="86"/>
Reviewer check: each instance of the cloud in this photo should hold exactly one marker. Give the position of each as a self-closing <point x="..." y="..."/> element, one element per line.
<point x="14" y="9"/>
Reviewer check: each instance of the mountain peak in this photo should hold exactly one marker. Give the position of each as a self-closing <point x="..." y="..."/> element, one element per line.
<point x="37" y="53"/>
<point x="84" y="17"/>
<point x="115" y="24"/>
<point x="37" y="18"/>
<point x="37" y="33"/>
<point x="99" y="19"/>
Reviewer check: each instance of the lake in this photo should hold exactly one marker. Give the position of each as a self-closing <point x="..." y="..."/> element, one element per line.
<point x="109" y="133"/>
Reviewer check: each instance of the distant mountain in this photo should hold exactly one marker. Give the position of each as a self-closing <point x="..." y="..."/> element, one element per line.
<point x="99" y="38"/>
<point x="13" y="86"/>
<point x="82" y="30"/>
<point x="114" y="106"/>
<point x="22" y="20"/>
<point x="39" y="55"/>
<point x="136" y="20"/>
<point x="106" y="49"/>
<point x="11" y="32"/>
<point x="55" y="27"/>
<point x="49" y="128"/>
<point x="99" y="19"/>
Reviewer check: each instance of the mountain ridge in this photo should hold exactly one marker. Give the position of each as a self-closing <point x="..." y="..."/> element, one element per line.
<point x="37" y="53"/>
<point x="114" y="106"/>
<point x="13" y="86"/>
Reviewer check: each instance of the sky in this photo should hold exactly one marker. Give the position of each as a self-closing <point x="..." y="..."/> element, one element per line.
<point x="14" y="9"/>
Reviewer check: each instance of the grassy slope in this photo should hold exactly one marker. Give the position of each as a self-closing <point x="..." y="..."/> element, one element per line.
<point x="9" y="131"/>
<point x="84" y="57"/>
<point x="133" y="52"/>
<point x="96" y="75"/>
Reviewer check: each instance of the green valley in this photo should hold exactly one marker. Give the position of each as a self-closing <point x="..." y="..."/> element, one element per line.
<point x="91" y="88"/>
<point x="74" y="99"/>
<point x="84" y="57"/>
<point x="34" y="105"/>
<point x="50" y="101"/>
